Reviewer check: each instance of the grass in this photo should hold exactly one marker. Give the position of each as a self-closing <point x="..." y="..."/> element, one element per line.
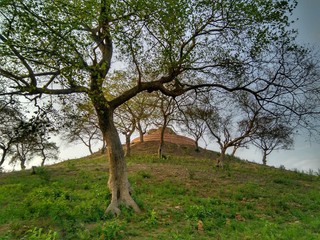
<point x="177" y="195"/>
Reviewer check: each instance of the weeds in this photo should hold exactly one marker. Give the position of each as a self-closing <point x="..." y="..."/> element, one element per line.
<point x="153" y="219"/>
<point x="112" y="229"/>
<point x="39" y="234"/>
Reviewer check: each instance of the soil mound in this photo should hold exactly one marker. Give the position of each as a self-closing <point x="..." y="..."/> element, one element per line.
<point x="170" y="136"/>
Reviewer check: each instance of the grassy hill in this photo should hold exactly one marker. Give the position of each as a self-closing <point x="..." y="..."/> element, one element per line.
<point x="182" y="197"/>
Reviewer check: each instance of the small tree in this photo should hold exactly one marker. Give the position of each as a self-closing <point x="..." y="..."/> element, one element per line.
<point x="46" y="150"/>
<point x="34" y="141"/>
<point x="192" y="118"/>
<point x="10" y="120"/>
<point x="143" y="109"/>
<point x="136" y="113"/>
<point x="125" y="121"/>
<point x="166" y="107"/>
<point x="80" y="123"/>
<point x="272" y="134"/>
<point x="233" y="124"/>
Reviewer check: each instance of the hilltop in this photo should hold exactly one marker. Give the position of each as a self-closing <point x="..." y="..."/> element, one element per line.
<point x="182" y="197"/>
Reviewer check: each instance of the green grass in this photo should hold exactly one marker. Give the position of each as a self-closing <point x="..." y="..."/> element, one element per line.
<point x="241" y="201"/>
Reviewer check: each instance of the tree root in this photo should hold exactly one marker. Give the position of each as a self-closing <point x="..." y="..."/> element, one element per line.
<point x="114" y="209"/>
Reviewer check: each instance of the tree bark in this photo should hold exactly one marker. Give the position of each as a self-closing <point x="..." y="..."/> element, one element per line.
<point x="103" y="148"/>
<point x="221" y="158"/>
<point x="43" y="161"/>
<point x="22" y="164"/>
<point x="141" y="132"/>
<point x="197" y="145"/>
<point x="235" y="148"/>
<point x="118" y="177"/>
<point x="160" y="149"/>
<point x="3" y="157"/>
<point x="264" y="158"/>
<point x="128" y="145"/>
<point x="90" y="148"/>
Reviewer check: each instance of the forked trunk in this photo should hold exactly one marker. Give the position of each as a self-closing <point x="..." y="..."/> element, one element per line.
<point x="118" y="177"/>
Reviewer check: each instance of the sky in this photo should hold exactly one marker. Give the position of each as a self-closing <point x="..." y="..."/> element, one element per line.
<point x="306" y="154"/>
<point x="308" y="24"/>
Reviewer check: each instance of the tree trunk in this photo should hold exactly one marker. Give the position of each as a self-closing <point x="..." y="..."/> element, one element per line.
<point x="43" y="156"/>
<point x="90" y="149"/>
<point x="235" y="148"/>
<point x="221" y="158"/>
<point x="3" y="157"/>
<point x="160" y="149"/>
<point x="197" y="145"/>
<point x="22" y="164"/>
<point x="264" y="158"/>
<point x="128" y="145"/>
<point x="141" y="132"/>
<point x="103" y="148"/>
<point x="141" y="138"/>
<point x="43" y="161"/>
<point x="90" y="146"/>
<point x="118" y="177"/>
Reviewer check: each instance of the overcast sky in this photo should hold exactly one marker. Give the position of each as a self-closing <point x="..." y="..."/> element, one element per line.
<point x="308" y="23"/>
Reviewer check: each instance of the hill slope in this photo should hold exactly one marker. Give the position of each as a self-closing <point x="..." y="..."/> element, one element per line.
<point x="182" y="197"/>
